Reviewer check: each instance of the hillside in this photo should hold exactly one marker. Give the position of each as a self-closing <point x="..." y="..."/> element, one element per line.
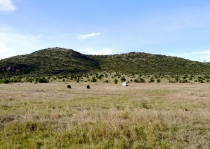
<point x="48" y="61"/>
<point x="144" y="63"/>
<point x="54" y="61"/>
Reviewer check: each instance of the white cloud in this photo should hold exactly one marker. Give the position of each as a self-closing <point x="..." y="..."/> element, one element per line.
<point x="14" y="43"/>
<point x="104" y="51"/>
<point x="7" y="6"/>
<point x="85" y="36"/>
<point x="5" y="52"/>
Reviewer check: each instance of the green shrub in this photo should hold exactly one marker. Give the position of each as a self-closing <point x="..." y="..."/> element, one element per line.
<point x="93" y="79"/>
<point x="177" y="79"/>
<point x="41" y="80"/>
<point x="29" y="79"/>
<point x="171" y="81"/>
<point x="151" y="80"/>
<point x="5" y="81"/>
<point x="140" y="80"/>
<point x="123" y="79"/>
<point x="115" y="81"/>
<point x="183" y="81"/>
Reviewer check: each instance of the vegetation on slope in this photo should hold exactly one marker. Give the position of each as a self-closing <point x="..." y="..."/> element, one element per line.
<point x="143" y="63"/>
<point x="54" y="61"/>
<point x="48" y="61"/>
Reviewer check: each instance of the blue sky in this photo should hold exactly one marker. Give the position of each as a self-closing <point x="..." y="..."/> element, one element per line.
<point x="175" y="28"/>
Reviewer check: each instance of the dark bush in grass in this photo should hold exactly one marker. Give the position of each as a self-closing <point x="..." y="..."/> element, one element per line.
<point x="123" y="79"/>
<point x="42" y="80"/>
<point x="135" y="80"/>
<point x="69" y="86"/>
<point x="177" y="79"/>
<point x="29" y="80"/>
<point x="140" y="80"/>
<point x="183" y="81"/>
<point x="115" y="81"/>
<point x="201" y="80"/>
<point x="93" y="79"/>
<point x="151" y="80"/>
<point x="100" y="76"/>
<point x="14" y="79"/>
<point x="6" y="81"/>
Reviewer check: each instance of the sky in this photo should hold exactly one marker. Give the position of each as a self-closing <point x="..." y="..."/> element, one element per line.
<point x="174" y="28"/>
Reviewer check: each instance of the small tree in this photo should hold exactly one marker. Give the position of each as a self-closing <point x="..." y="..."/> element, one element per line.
<point x="177" y="79"/>
<point x="142" y="80"/>
<point x="106" y="75"/>
<point x="93" y="79"/>
<point x="151" y="80"/>
<point x="123" y="79"/>
<point x="6" y="81"/>
<point x="41" y="80"/>
<point x="28" y="79"/>
<point x="115" y="81"/>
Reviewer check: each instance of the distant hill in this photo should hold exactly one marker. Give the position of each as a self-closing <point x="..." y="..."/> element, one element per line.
<point x="144" y="63"/>
<point x="54" y="61"/>
<point x="48" y="61"/>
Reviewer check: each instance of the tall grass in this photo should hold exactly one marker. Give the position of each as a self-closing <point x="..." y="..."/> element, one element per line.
<point x="106" y="116"/>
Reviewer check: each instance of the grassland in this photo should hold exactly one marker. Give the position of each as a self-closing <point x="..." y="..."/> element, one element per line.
<point x="142" y="115"/>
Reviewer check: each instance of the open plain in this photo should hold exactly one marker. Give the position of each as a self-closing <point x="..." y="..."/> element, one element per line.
<point x="142" y="115"/>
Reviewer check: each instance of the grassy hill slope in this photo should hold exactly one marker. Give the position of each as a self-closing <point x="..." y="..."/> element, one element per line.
<point x="48" y="61"/>
<point x="144" y="63"/>
<point x="53" y="61"/>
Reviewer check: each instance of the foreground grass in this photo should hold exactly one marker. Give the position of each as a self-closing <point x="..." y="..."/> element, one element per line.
<point x="106" y="116"/>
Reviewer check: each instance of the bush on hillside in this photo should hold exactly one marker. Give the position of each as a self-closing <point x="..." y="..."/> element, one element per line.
<point x="115" y="81"/>
<point x="5" y="81"/>
<point x="41" y="80"/>
<point x="123" y="79"/>
<point x="93" y="79"/>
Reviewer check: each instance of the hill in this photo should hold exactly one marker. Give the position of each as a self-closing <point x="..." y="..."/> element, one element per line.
<point x="144" y="63"/>
<point x="54" y="61"/>
<point x="48" y="61"/>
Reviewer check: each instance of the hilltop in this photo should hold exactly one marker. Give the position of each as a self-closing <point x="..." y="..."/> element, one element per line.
<point x="52" y="61"/>
<point x="144" y="63"/>
<point x="48" y="62"/>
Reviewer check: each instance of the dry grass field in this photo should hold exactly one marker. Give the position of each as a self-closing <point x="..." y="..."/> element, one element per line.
<point x="144" y="115"/>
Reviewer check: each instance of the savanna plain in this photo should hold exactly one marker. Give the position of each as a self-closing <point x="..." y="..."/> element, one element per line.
<point x="141" y="115"/>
